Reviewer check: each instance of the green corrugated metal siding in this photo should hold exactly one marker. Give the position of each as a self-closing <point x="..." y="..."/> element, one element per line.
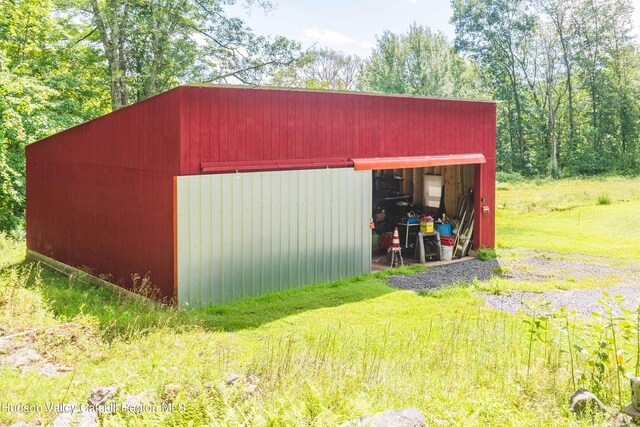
<point x="245" y="234"/>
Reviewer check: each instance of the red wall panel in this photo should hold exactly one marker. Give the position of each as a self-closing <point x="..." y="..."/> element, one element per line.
<point x="100" y="195"/>
<point x="114" y="222"/>
<point x="258" y="124"/>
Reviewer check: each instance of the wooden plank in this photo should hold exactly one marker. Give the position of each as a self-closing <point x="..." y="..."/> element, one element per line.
<point x="450" y="190"/>
<point x="83" y="276"/>
<point x="407" y="183"/>
<point x="469" y="175"/>
<point x="459" y="188"/>
<point x="418" y="183"/>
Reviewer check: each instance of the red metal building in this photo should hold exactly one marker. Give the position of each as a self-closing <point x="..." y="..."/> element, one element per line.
<point x="103" y="196"/>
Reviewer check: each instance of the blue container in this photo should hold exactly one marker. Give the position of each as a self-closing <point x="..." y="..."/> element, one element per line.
<point x="444" y="229"/>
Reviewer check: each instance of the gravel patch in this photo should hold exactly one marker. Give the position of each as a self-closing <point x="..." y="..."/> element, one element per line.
<point x="534" y="266"/>
<point x="584" y="301"/>
<point x="445" y="275"/>
<point x="543" y="266"/>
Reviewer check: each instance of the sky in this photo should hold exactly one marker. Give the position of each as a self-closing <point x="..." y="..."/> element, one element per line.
<point x="348" y="25"/>
<point x="351" y="26"/>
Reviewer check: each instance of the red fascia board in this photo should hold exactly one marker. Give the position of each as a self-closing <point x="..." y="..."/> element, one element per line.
<point x="273" y="165"/>
<point x="417" y="162"/>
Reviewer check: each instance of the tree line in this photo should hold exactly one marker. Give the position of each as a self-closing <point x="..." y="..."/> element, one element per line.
<point x="566" y="73"/>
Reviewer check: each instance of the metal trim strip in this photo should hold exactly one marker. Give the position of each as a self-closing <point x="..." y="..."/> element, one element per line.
<point x="417" y="161"/>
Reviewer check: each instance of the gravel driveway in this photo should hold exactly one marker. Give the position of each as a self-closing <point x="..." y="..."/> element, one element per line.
<point x="446" y="275"/>
<point x="584" y="301"/>
<point x="535" y="266"/>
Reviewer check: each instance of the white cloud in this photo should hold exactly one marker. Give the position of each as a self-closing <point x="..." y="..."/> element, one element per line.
<point x="335" y="40"/>
<point x="412" y="1"/>
<point x="327" y="36"/>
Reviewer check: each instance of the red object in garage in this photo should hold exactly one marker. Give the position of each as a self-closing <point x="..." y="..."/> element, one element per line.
<point x="102" y="196"/>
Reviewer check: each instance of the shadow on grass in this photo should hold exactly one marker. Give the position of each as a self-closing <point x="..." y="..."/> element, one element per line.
<point x="119" y="317"/>
<point x="253" y="312"/>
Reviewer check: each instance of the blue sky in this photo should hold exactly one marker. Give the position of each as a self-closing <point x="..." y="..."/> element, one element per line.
<point x="349" y="26"/>
<point x="352" y="25"/>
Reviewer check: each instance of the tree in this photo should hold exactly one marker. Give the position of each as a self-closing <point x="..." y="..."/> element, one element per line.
<point x="561" y="14"/>
<point x="567" y="72"/>
<point x="151" y="46"/>
<point x="419" y="62"/>
<point x="322" y="69"/>
<point x="495" y="34"/>
<point x="42" y="91"/>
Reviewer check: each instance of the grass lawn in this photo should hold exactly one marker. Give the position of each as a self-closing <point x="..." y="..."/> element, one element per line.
<point x="596" y="217"/>
<point x="329" y="353"/>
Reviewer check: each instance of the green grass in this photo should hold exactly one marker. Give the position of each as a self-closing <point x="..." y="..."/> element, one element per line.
<point x="499" y="285"/>
<point x="11" y="252"/>
<point x="571" y="216"/>
<point x="486" y="254"/>
<point x="324" y="355"/>
<point x="560" y="195"/>
<point x="329" y="353"/>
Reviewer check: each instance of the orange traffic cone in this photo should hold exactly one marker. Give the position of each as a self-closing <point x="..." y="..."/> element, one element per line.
<point x="372" y="225"/>
<point x="396" y="251"/>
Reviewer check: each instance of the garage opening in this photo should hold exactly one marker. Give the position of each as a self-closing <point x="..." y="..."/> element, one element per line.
<point x="432" y="207"/>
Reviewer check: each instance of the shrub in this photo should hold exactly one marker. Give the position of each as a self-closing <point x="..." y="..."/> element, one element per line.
<point x="604" y="199"/>
<point x="509" y="177"/>
<point x="486" y="254"/>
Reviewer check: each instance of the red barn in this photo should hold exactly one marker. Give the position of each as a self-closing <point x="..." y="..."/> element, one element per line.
<point x="216" y="193"/>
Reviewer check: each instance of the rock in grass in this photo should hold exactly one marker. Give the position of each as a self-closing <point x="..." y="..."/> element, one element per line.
<point x="100" y="395"/>
<point x="5" y="346"/>
<point x="232" y="379"/>
<point x="20" y="424"/>
<point x="132" y="401"/>
<point x="135" y="402"/>
<point x="170" y="392"/>
<point x="634" y="382"/>
<point x="23" y="357"/>
<point x="76" y="418"/>
<point x="407" y="417"/>
<point x="87" y="419"/>
<point x="53" y="369"/>
<point x="621" y="420"/>
<point x="582" y="399"/>
<point x="65" y="419"/>
<point x="253" y="379"/>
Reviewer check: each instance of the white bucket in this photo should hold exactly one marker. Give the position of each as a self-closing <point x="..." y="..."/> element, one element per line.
<point x="447" y="253"/>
